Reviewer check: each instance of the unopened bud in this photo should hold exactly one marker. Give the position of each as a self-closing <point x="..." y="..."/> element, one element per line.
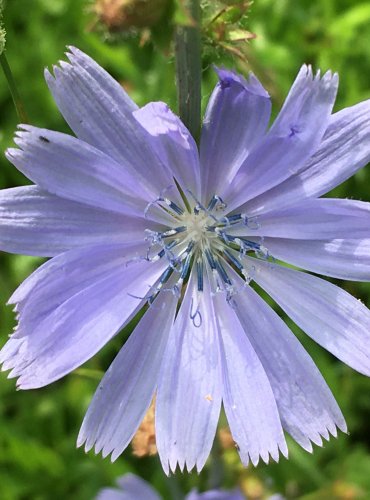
<point x="121" y="15"/>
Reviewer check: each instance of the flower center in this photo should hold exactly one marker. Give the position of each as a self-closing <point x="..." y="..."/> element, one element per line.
<point x="196" y="226"/>
<point x="201" y="236"/>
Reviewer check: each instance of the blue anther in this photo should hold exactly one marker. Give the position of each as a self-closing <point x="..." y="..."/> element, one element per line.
<point x="174" y="207"/>
<point x="214" y="200"/>
<point x="171" y="244"/>
<point x="165" y="275"/>
<point x="251" y="244"/>
<point x="200" y="275"/>
<point x="222" y="272"/>
<point x="234" y="218"/>
<point x="190" y="247"/>
<point x="233" y="259"/>
<point x="185" y="267"/>
<point x="227" y="237"/>
<point x="210" y="258"/>
<point x="212" y="203"/>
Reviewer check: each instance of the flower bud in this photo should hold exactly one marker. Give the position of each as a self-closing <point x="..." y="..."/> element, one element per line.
<point x="121" y="15"/>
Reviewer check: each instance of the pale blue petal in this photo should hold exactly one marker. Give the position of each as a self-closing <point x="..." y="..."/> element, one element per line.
<point x="126" y="391"/>
<point x="71" y="307"/>
<point x="236" y="118"/>
<point x="306" y="406"/>
<point x="248" y="397"/>
<point x="331" y="316"/>
<point x="68" y="167"/>
<point x="34" y="222"/>
<point x="342" y="152"/>
<point x="346" y="259"/>
<point x="100" y="112"/>
<point x="316" y="219"/>
<point x="173" y="143"/>
<point x="72" y="169"/>
<point x="190" y="384"/>
<point x="293" y="138"/>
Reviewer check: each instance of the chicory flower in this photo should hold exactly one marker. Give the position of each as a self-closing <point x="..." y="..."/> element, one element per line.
<point x="134" y="217"/>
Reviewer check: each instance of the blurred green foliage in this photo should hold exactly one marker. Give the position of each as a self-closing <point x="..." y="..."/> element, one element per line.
<point x="38" y="459"/>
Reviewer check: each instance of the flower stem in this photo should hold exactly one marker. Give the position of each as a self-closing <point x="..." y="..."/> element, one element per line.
<point x="13" y="89"/>
<point x="189" y="68"/>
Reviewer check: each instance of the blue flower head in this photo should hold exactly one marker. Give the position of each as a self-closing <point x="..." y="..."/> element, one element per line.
<point x="134" y="217"/>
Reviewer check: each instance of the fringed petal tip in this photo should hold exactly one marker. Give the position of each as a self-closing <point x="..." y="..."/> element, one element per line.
<point x="52" y="75"/>
<point x="306" y="73"/>
<point x="99" y="448"/>
<point x="20" y="135"/>
<point x="171" y="466"/>
<point x="19" y="367"/>
<point x="267" y="455"/>
<point x="318" y="437"/>
<point x="75" y="56"/>
<point x="280" y="449"/>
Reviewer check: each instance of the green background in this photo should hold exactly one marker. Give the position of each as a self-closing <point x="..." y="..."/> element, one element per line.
<point x="38" y="459"/>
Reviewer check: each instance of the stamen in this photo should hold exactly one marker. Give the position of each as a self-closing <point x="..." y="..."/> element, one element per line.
<point x="233" y="218"/>
<point x="222" y="272"/>
<point x="168" y="202"/>
<point x="165" y="275"/>
<point x="233" y="259"/>
<point x="200" y="275"/>
<point x="172" y="206"/>
<point x="210" y="259"/>
<point x="199" y="207"/>
<point x="166" y="251"/>
<point x="185" y="267"/>
<point x="252" y="245"/>
<point x="214" y="200"/>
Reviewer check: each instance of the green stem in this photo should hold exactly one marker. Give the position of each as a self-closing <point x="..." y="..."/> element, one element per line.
<point x="189" y="69"/>
<point x="216" y="471"/>
<point x="13" y="89"/>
